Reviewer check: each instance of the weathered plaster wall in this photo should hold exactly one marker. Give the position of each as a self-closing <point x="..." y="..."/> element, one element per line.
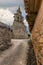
<point x="37" y="36"/>
<point x="31" y="8"/>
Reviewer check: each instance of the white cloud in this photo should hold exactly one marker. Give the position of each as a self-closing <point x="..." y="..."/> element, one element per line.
<point x="25" y="23"/>
<point x="14" y="9"/>
<point x="26" y="26"/>
<point x="6" y="16"/>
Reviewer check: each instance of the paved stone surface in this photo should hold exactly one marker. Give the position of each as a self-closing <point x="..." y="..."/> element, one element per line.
<point x="15" y="55"/>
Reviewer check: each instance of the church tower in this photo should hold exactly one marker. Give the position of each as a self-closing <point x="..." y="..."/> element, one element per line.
<point x="18" y="26"/>
<point x="18" y="15"/>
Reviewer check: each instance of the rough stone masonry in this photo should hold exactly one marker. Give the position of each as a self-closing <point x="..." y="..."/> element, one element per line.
<point x="5" y="36"/>
<point x="37" y="36"/>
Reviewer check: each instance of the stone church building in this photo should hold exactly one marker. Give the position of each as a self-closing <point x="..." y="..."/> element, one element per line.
<point x="18" y="26"/>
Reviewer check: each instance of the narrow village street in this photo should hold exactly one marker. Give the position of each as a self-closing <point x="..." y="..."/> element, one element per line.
<point x="16" y="54"/>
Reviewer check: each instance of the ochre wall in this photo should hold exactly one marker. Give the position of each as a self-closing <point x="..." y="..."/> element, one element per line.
<point x="35" y="8"/>
<point x="37" y="36"/>
<point x="31" y="8"/>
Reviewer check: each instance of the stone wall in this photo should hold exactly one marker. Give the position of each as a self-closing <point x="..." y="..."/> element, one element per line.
<point x="31" y="8"/>
<point x="19" y="30"/>
<point x="37" y="36"/>
<point x="5" y="37"/>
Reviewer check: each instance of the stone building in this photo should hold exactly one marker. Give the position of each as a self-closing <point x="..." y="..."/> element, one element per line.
<point x="18" y="26"/>
<point x="34" y="7"/>
<point x="5" y="35"/>
<point x="37" y="36"/>
<point x="18" y="15"/>
<point x="31" y="8"/>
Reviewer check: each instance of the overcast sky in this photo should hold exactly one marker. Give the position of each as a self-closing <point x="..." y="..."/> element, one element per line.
<point x="12" y="5"/>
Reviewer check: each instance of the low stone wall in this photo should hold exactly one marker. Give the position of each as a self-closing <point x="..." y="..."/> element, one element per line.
<point x="5" y="37"/>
